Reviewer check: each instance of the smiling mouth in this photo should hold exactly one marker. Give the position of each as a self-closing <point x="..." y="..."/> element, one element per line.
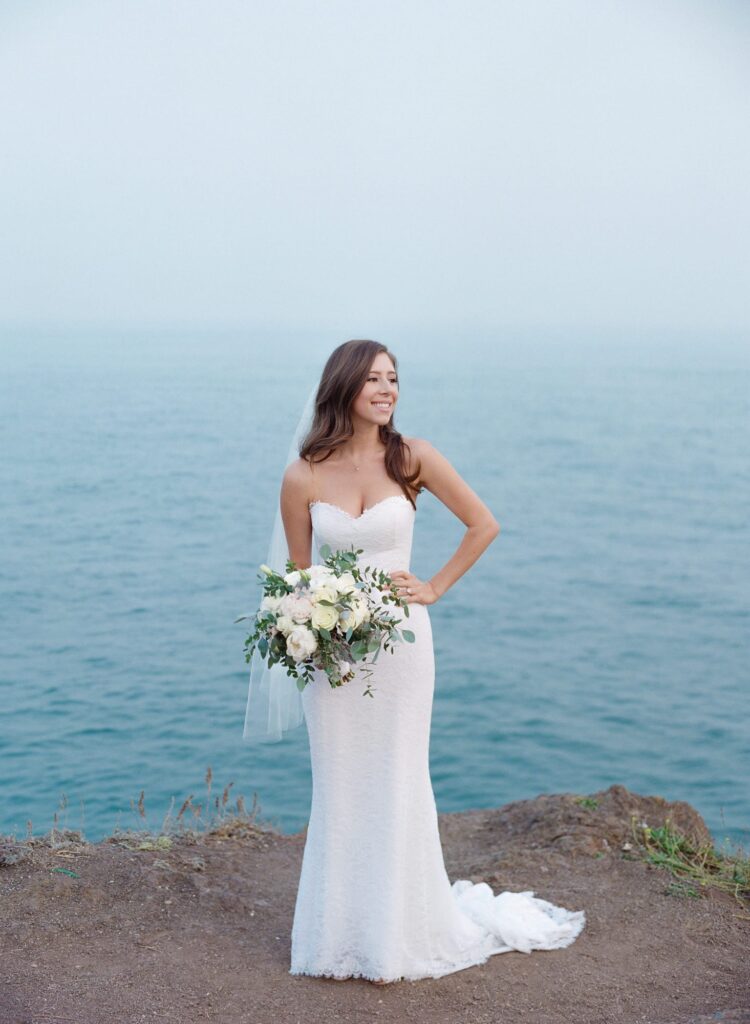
<point x="383" y="405"/>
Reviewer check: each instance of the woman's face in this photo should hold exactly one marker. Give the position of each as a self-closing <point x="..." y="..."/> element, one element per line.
<point x="377" y="399"/>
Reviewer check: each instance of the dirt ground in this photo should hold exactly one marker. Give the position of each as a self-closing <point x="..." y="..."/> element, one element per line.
<point x="200" y="931"/>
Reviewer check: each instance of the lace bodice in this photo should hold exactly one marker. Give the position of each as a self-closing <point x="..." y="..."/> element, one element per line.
<point x="384" y="531"/>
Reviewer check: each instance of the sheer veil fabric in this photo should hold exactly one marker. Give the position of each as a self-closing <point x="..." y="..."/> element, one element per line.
<point x="274" y="704"/>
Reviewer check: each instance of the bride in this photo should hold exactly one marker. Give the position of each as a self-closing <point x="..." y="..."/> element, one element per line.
<point x="374" y="899"/>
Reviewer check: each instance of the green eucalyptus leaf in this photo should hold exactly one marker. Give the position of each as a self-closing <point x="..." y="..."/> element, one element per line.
<point x="358" y="650"/>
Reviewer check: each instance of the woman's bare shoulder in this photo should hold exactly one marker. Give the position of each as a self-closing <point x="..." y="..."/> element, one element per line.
<point x="414" y="441"/>
<point x="298" y="471"/>
<point x="430" y="461"/>
<point x="420" y="447"/>
<point x="298" y="480"/>
<point x="419" y="457"/>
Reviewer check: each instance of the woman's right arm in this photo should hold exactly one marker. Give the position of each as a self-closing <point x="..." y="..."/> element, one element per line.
<point x="295" y="513"/>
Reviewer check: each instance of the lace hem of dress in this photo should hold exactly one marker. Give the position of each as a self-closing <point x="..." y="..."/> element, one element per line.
<point x="513" y="921"/>
<point x="437" y="971"/>
<point x="352" y="968"/>
<point x="345" y="977"/>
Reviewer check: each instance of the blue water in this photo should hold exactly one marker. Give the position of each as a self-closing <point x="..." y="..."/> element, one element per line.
<point x="602" y="638"/>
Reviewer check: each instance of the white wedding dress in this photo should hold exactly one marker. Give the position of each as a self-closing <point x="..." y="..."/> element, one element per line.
<point x="374" y="899"/>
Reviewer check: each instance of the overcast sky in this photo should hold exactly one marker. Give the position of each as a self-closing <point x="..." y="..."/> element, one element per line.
<point x="359" y="165"/>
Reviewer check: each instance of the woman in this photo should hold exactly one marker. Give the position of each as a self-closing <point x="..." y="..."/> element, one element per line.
<point x="374" y="900"/>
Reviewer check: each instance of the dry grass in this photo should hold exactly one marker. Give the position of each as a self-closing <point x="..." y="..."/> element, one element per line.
<point x="214" y="817"/>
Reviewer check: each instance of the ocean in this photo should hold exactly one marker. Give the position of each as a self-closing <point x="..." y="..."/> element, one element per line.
<point x="602" y="638"/>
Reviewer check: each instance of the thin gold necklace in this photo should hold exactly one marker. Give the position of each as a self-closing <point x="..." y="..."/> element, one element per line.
<point x="354" y="464"/>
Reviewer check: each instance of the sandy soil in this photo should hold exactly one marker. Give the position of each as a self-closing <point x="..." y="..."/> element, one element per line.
<point x="201" y="931"/>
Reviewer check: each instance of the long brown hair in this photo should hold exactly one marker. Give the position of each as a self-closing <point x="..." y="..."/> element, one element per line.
<point x="343" y="377"/>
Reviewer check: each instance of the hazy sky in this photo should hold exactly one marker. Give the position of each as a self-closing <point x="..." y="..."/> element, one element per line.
<point x="359" y="165"/>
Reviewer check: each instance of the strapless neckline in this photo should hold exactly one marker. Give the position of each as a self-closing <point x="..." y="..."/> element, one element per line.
<point x="355" y="519"/>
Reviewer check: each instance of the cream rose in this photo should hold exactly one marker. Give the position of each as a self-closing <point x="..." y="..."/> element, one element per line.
<point x="360" y="610"/>
<point x="285" y="624"/>
<point x="320" y="575"/>
<point x="324" y="593"/>
<point x="324" y="616"/>
<point x="301" y="643"/>
<point x="346" y="584"/>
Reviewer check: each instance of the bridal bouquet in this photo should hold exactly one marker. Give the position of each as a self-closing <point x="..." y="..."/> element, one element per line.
<point x="328" y="616"/>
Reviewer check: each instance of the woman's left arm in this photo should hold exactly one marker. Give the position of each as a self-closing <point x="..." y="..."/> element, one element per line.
<point x="439" y="477"/>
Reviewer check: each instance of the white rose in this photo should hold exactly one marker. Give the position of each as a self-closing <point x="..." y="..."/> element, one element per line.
<point x="318" y="572"/>
<point x="271" y="602"/>
<point x="323" y="580"/>
<point x="324" y="616"/>
<point x="285" y="624"/>
<point x="324" y="593"/>
<point x="360" y="610"/>
<point x="301" y="643"/>
<point x="346" y="584"/>
<point x="293" y="578"/>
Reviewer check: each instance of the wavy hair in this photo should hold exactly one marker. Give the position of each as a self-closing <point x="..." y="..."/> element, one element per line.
<point x="343" y="377"/>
